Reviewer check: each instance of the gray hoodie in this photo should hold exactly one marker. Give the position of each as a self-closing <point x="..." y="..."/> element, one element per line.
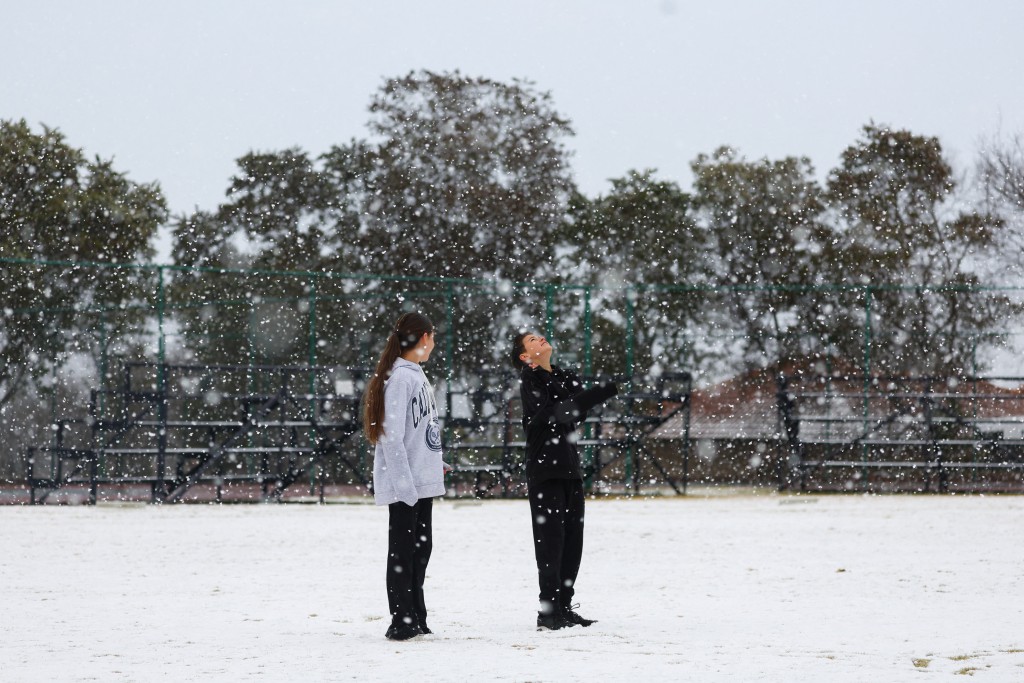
<point x="407" y="458"/>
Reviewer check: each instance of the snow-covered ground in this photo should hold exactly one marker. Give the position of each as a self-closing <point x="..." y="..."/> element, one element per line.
<point x="736" y="588"/>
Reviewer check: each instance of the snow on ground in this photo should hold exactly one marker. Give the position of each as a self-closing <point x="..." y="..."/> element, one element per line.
<point x="731" y="588"/>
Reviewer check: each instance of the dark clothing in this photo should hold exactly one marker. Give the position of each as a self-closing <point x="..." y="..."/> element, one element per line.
<point x="557" y="509"/>
<point x="554" y="404"/>
<point x="410" y="540"/>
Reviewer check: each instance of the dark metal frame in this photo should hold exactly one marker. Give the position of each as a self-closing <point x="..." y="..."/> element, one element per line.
<point x="614" y="432"/>
<point x="916" y="404"/>
<point x="178" y="452"/>
<point x="300" y="438"/>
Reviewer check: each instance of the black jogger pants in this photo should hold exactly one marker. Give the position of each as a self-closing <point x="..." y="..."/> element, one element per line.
<point x="410" y="540"/>
<point x="557" y="509"/>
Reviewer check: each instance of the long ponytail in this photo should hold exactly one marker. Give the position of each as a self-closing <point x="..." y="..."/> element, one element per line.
<point x="406" y="333"/>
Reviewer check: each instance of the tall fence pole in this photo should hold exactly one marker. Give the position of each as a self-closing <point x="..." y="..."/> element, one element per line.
<point x="311" y="315"/>
<point x="588" y="429"/>
<point x="549" y="305"/>
<point x="587" y="339"/>
<point x="160" y="306"/>
<point x="100" y="465"/>
<point x="865" y="473"/>
<point x="449" y="342"/>
<point x="311" y="359"/>
<point x="104" y="362"/>
<point x="632" y="479"/>
<point x="159" y="488"/>
<point x="630" y="302"/>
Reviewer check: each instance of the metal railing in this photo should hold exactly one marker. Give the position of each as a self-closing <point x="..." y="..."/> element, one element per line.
<point x="899" y="433"/>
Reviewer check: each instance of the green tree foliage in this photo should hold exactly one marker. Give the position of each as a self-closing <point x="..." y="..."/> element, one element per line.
<point x="282" y="214"/>
<point x="55" y="204"/>
<point x="894" y="223"/>
<point x="640" y="234"/>
<point x="463" y="178"/>
<point x="762" y="219"/>
<point x="278" y="216"/>
<point x="469" y="178"/>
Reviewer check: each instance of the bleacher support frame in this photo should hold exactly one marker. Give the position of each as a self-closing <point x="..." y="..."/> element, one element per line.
<point x="493" y="408"/>
<point x="919" y="417"/>
<point x="173" y="461"/>
<point x="149" y="424"/>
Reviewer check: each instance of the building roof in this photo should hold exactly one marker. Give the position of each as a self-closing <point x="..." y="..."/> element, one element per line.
<point x="836" y="407"/>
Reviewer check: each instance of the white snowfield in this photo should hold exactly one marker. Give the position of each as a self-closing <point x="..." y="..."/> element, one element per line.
<point x="716" y="588"/>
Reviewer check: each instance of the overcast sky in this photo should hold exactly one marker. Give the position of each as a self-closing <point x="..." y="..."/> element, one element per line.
<point x="176" y="91"/>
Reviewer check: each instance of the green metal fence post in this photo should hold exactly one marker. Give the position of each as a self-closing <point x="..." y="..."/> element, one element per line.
<point x="549" y="318"/>
<point x="630" y="302"/>
<point x="632" y="482"/>
<point x="159" y="487"/>
<point x="101" y="466"/>
<point x="587" y="356"/>
<point x="311" y="315"/>
<point x="160" y="306"/>
<point x="865" y="472"/>
<point x="588" y="430"/>
<point x="311" y="359"/>
<point x="449" y="341"/>
<point x="867" y="331"/>
<point x="104" y="357"/>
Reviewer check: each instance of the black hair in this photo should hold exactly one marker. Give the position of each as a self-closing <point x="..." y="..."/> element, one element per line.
<point x="518" y="349"/>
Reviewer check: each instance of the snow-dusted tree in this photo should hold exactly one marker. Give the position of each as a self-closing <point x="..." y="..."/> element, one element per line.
<point x="1001" y="167"/>
<point x="1000" y="172"/>
<point x="470" y="178"/>
<point x="463" y="178"/>
<point x="55" y="204"/>
<point x="762" y="220"/>
<point x="895" y="221"/>
<point x="639" y="247"/>
<point x="282" y="214"/>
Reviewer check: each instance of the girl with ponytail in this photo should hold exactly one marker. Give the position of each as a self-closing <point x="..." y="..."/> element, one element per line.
<point x="400" y="421"/>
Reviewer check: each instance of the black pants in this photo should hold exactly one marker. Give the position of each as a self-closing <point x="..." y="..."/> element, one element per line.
<point x="410" y="540"/>
<point x="557" y="509"/>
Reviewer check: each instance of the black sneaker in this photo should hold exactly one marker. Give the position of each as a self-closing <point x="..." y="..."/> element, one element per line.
<point x="402" y="632"/>
<point x="551" y="622"/>
<point x="574" y="619"/>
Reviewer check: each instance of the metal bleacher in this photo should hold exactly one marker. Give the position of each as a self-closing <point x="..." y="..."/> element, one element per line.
<point x="484" y="434"/>
<point x="171" y="433"/>
<point x="896" y="433"/>
<point x="172" y="428"/>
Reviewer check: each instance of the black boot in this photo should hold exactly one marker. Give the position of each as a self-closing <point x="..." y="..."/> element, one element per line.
<point x="552" y="621"/>
<point x="574" y="619"/>
<point x="401" y="631"/>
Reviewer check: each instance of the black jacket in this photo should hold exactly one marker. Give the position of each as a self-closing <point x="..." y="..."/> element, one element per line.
<point x="554" y="404"/>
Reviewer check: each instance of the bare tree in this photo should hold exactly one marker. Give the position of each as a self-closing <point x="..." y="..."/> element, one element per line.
<point x="1001" y="169"/>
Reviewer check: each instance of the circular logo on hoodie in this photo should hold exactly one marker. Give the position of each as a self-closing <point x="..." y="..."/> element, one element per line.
<point x="434" y="436"/>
